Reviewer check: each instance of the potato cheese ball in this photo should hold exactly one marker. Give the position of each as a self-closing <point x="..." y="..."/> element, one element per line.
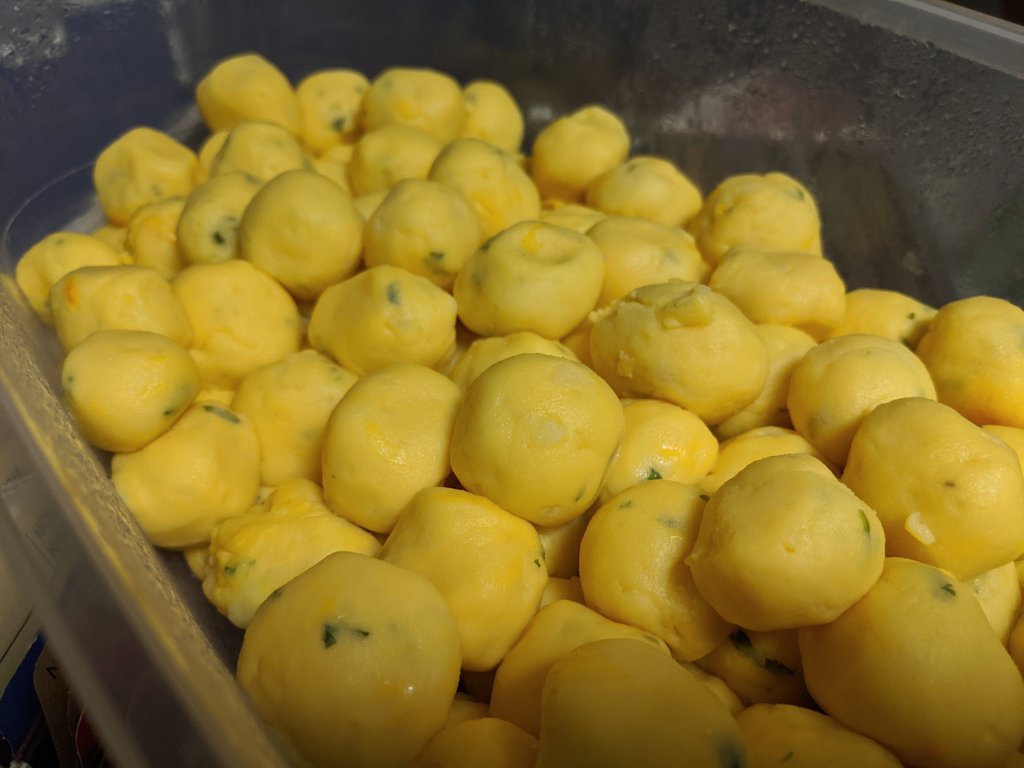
<point x="507" y="454"/>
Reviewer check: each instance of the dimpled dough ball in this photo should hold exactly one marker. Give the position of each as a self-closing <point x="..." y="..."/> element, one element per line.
<point x="498" y="188"/>
<point x="798" y="289"/>
<point x="784" y="544"/>
<point x="126" y="388"/>
<point x="786" y="346"/>
<point x="747" y="447"/>
<point x="382" y="316"/>
<point x="289" y="403"/>
<point x="574" y="150"/>
<point x="531" y="277"/>
<point x="485" y="741"/>
<point x="974" y="353"/>
<point x="638" y="252"/>
<point x="151" y="237"/>
<point x="247" y="87"/>
<point x="890" y="314"/>
<point x="661" y="440"/>
<point x="424" y="227"/>
<point x="781" y="734"/>
<point x="355" y="662"/>
<point x="555" y="631"/>
<point x="773" y="212"/>
<point x="204" y="469"/>
<point x="761" y="667"/>
<point x="947" y="492"/>
<point x="329" y="102"/>
<point x="614" y="703"/>
<point x="487" y="563"/>
<point x="421" y="98"/>
<point x="572" y="216"/>
<point x="485" y="352"/>
<point x="54" y="256"/>
<point x="140" y="167"/>
<point x="935" y="686"/>
<point x="124" y="297"/>
<point x="647" y="187"/>
<point x="535" y="434"/>
<point x="302" y="230"/>
<point x="839" y="382"/>
<point x="208" y="227"/>
<point x="632" y="567"/>
<point x="256" y="553"/>
<point x="389" y="154"/>
<point x="241" y="319"/>
<point x="388" y="439"/>
<point x="260" y="150"/>
<point x="684" y="343"/>
<point x="492" y="115"/>
<point x="998" y="592"/>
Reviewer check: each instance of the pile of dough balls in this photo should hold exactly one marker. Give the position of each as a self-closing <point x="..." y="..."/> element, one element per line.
<point x="544" y="459"/>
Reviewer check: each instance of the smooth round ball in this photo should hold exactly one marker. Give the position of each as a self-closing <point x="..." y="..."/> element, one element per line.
<point x="646" y="187"/>
<point x="355" y="662"/>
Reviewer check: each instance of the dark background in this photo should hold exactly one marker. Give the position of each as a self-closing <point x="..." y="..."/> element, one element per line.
<point x="1012" y="10"/>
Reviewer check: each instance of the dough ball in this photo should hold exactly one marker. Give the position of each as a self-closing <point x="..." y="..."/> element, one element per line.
<point x="151" y="239"/>
<point x="389" y="154"/>
<point x="484" y="352"/>
<point x="562" y="546"/>
<point x="261" y="150"/>
<point x="247" y="87"/>
<point x="420" y="98"/>
<point x="998" y="592"/>
<point x="479" y="742"/>
<point x="747" y="447"/>
<point x="492" y="115"/>
<point x="208" y="226"/>
<point x="329" y="102"/>
<point x="208" y="151"/>
<point x="572" y="216"/>
<point x="569" y="153"/>
<point x="648" y="188"/>
<point x="761" y="667"/>
<point x="891" y="314"/>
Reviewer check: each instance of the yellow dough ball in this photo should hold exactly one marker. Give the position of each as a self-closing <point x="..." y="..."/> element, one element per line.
<point x="142" y="166"/>
<point x="840" y="381"/>
<point x="381" y="316"/>
<point x="195" y="559"/>
<point x="620" y="702"/>
<point x="972" y="350"/>
<point x="784" y="544"/>
<point x="891" y="314"/>
<point x="241" y="319"/>
<point x="124" y="297"/>
<point x="389" y="154"/>
<point x="387" y="439"/>
<point x="368" y="204"/>
<point x="151" y="239"/>
<point x="289" y="402"/>
<point x="329" y="102"/>
<point x="562" y="545"/>
<point x="935" y="686"/>
<point x="247" y="87"/>
<point x="486" y="741"/>
<point x="492" y="115"/>
<point x="334" y="165"/>
<point x="424" y="227"/>
<point x="761" y="667"/>
<point x="785" y="288"/>
<point x="661" y="440"/>
<point x="632" y="567"/>
<point x="111" y="235"/>
<point x="463" y="708"/>
<point x="204" y="469"/>
<point x="786" y="347"/>
<point x="535" y="434"/>
<point x="208" y="152"/>
<point x="717" y="686"/>
<point x="258" y="552"/>
<point x="420" y="98"/>
<point x="208" y="226"/>
<point x="556" y="630"/>
<point x="774" y="212"/>
<point x="947" y="492"/>
<point x="747" y="447"/>
<point x="782" y="734"/>
<point x="684" y="343"/>
<point x="302" y="230"/>
<point x="126" y="388"/>
<point x="638" y="252"/>
<point x="646" y="187"/>
<point x="487" y="564"/>
<point x="562" y="589"/>
<point x="260" y="150"/>
<point x="572" y="216"/>
<point x="531" y="277"/>
<point x="998" y="592"/>
<point x="355" y="662"/>
<point x="500" y="191"/>
<point x="52" y="258"/>
<point x="1012" y="436"/>
<point x="569" y="153"/>
<point x="484" y="352"/>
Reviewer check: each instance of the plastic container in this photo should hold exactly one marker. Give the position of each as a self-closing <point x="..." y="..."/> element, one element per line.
<point x="904" y="117"/>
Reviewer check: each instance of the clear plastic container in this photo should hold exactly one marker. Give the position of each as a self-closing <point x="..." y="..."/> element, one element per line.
<point x="903" y="116"/>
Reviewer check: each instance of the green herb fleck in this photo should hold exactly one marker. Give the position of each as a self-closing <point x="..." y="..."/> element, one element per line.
<point x="224" y="413"/>
<point x="705" y="497"/>
<point x="218" y="238"/>
<point x="537" y="562"/>
<point x="671" y="522"/>
<point x="742" y="644"/>
<point x="234" y="568"/>
<point x="435" y="255"/>
<point x="653" y="474"/>
<point x="394" y="297"/>
<point x="949" y="589"/>
<point x="949" y="483"/>
<point x="788" y="756"/>
<point x="275" y="594"/>
<point x="625" y="504"/>
<point x="580" y="494"/>
<point x="795" y="193"/>
<point x="157" y="190"/>
<point x="333" y="631"/>
<point x="912" y="316"/>
<point x="477" y="278"/>
<point x="731" y="754"/>
<point x="865" y="523"/>
<point x="338" y="124"/>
